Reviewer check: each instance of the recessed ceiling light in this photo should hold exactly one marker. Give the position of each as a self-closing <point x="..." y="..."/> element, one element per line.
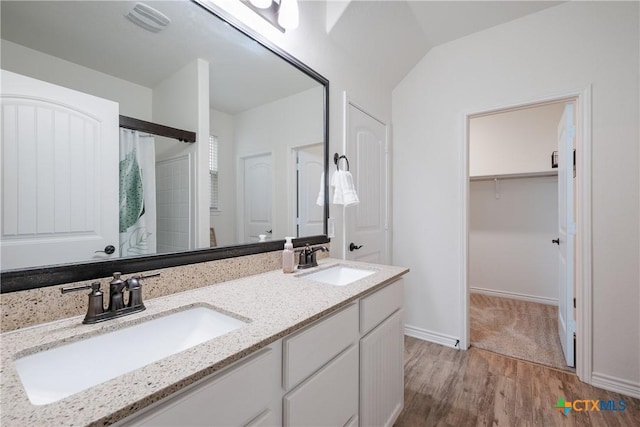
<point x="148" y="18"/>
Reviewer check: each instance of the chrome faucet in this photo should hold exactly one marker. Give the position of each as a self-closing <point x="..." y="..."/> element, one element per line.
<point x="117" y="308"/>
<point x="307" y="258"/>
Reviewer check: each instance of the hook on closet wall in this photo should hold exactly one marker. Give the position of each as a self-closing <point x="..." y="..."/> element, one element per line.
<point x="497" y="187"/>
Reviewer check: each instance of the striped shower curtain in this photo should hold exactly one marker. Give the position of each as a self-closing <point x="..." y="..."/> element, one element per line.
<point x="137" y="194"/>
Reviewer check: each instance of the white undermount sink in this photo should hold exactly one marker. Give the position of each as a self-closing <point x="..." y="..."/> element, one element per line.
<point x="51" y="375"/>
<point x="338" y="275"/>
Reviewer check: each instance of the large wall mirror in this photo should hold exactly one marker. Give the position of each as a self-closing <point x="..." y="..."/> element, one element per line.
<point x="141" y="135"/>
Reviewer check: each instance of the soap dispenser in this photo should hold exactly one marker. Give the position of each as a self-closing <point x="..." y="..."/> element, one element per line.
<point x="288" y="256"/>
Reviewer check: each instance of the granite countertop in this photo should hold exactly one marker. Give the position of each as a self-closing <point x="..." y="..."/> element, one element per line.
<point x="276" y="303"/>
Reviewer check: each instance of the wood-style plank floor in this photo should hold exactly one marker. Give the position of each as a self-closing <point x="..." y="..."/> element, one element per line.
<point x="448" y="387"/>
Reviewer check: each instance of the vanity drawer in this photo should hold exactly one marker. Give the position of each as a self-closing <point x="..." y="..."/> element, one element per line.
<point x="309" y="350"/>
<point x="241" y="395"/>
<point x="380" y="305"/>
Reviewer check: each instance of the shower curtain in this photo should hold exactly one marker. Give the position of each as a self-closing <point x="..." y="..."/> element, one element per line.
<point x="137" y="194"/>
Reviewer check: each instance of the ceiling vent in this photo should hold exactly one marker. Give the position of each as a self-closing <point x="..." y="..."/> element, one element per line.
<point x="148" y="18"/>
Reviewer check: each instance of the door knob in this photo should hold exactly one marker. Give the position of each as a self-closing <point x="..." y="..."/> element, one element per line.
<point x="556" y="241"/>
<point x="108" y="250"/>
<point x="354" y="247"/>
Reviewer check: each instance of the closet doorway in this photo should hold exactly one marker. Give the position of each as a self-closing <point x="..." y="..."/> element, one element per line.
<point x="521" y="232"/>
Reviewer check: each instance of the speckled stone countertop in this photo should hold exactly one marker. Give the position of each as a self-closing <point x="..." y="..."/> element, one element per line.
<point x="277" y="304"/>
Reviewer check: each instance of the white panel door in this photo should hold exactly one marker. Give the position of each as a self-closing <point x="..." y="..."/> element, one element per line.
<point x="566" y="234"/>
<point x="310" y="165"/>
<point x="366" y="222"/>
<point x="59" y="174"/>
<point x="258" y="196"/>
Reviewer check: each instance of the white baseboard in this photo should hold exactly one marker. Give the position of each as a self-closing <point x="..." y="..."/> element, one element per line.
<point x="434" y="337"/>
<point x="514" y="295"/>
<point x="618" y="385"/>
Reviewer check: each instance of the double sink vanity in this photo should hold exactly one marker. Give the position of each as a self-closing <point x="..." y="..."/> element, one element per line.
<point x="319" y="347"/>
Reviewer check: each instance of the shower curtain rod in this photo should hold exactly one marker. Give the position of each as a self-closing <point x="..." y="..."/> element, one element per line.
<point x="156" y="129"/>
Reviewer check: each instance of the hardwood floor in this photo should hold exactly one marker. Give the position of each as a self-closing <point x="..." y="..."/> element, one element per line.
<point x="448" y="387"/>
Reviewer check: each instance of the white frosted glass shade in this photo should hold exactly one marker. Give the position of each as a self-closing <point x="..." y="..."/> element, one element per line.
<point x="261" y="4"/>
<point x="288" y="14"/>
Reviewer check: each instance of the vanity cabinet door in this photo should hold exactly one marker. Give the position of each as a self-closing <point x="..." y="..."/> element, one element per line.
<point x="243" y="395"/>
<point x="329" y="397"/>
<point x="382" y="372"/>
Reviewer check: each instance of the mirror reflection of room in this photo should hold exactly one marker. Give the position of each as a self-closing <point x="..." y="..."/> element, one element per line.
<point x="251" y="175"/>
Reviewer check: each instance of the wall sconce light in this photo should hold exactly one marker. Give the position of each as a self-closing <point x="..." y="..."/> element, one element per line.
<point x="554" y="160"/>
<point x="282" y="14"/>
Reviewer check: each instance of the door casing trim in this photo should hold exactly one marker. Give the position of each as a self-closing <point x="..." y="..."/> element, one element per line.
<point x="583" y="252"/>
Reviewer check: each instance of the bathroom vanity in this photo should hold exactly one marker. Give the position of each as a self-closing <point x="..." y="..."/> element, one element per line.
<point x="308" y="353"/>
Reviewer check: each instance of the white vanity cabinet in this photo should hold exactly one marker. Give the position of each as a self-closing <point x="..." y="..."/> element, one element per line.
<point x="382" y="356"/>
<point x="362" y="385"/>
<point x="345" y="369"/>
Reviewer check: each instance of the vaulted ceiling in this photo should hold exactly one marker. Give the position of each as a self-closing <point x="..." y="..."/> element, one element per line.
<point x="392" y="36"/>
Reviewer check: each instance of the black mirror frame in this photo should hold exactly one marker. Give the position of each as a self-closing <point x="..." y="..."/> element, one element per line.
<point x="32" y="278"/>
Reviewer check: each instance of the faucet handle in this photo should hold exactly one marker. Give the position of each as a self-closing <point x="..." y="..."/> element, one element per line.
<point x="95" y="286"/>
<point x="132" y="282"/>
<point x="135" y="292"/>
<point x="135" y="289"/>
<point x="95" y="307"/>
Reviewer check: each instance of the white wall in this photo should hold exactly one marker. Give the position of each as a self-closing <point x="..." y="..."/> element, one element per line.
<point x="134" y="100"/>
<point x="224" y="220"/>
<point x="182" y="101"/>
<point x="276" y="128"/>
<point x="510" y="249"/>
<point x="519" y="141"/>
<point x="564" y="48"/>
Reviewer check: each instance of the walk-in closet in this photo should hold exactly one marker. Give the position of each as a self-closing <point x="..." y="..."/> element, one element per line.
<point x="513" y="221"/>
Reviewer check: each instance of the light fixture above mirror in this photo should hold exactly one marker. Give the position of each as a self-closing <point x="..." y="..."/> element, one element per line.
<point x="282" y="14"/>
